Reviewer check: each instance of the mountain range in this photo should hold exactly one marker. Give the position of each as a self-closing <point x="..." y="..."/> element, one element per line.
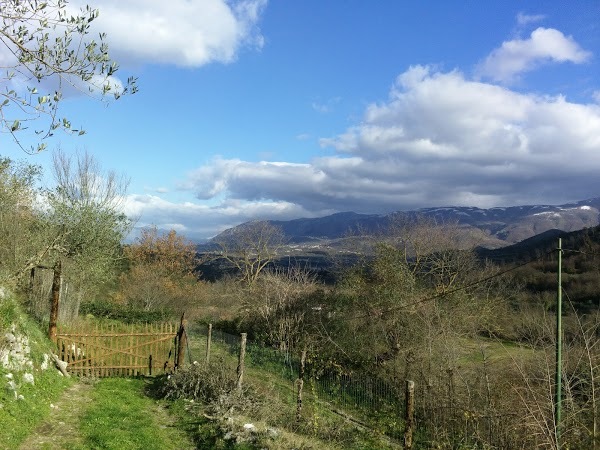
<point x="488" y="228"/>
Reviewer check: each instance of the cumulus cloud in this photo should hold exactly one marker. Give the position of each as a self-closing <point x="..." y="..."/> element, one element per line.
<point x="440" y="139"/>
<point x="515" y="57"/>
<point x="187" y="33"/>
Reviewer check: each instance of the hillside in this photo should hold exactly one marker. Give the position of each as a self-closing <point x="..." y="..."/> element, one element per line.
<point x="326" y="243"/>
<point x="580" y="264"/>
<point x="491" y="228"/>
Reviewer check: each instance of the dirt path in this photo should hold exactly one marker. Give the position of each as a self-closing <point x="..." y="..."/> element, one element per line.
<point x="61" y="429"/>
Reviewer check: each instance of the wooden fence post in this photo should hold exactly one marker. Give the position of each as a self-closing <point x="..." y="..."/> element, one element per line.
<point x="410" y="414"/>
<point x="208" y="339"/>
<point x="56" y="282"/>
<point x="300" y="386"/>
<point x="181" y="340"/>
<point x="240" y="367"/>
<point x="31" y="284"/>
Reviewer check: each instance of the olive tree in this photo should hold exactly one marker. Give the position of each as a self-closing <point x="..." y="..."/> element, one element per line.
<point x="17" y="214"/>
<point x="46" y="48"/>
<point x="83" y="225"/>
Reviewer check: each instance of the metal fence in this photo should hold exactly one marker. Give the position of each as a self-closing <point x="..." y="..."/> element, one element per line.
<point x="360" y="396"/>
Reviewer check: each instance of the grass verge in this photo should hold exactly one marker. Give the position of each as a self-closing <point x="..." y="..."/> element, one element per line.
<point x="20" y="416"/>
<point x="120" y="416"/>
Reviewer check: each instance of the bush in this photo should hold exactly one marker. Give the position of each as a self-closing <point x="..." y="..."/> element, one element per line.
<point x="123" y="313"/>
<point x="199" y="382"/>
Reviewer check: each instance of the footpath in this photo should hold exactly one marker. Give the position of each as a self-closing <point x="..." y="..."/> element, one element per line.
<point x="65" y="427"/>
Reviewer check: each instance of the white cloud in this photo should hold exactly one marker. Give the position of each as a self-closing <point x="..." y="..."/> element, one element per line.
<point x="521" y="55"/>
<point x="187" y="33"/>
<point x="200" y="221"/>
<point x="526" y="19"/>
<point x="325" y="107"/>
<point x="439" y="140"/>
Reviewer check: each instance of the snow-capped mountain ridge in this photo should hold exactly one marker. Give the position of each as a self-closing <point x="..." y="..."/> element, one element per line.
<point x="494" y="227"/>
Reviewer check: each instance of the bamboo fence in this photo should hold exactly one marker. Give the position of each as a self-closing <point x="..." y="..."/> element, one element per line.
<point x="112" y="350"/>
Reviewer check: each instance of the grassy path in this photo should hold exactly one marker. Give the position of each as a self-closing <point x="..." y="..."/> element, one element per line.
<point x="112" y="413"/>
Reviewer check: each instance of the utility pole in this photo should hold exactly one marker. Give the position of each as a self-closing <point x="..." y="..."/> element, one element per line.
<point x="558" y="392"/>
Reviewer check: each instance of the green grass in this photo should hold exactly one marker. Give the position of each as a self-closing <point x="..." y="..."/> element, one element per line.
<point x="18" y="418"/>
<point x="120" y="416"/>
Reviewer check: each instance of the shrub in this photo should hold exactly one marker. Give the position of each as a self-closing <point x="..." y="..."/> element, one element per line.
<point x="199" y="382"/>
<point x="123" y="313"/>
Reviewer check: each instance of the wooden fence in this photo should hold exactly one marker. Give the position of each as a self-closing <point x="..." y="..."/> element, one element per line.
<point x="110" y="350"/>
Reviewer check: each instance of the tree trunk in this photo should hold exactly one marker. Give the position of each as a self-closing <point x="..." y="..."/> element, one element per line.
<point x="56" y="282"/>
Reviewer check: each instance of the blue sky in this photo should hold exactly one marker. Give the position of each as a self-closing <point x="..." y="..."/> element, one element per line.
<point x="257" y="109"/>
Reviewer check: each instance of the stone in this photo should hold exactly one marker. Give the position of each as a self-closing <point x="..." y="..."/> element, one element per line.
<point x="28" y="378"/>
<point x="45" y="362"/>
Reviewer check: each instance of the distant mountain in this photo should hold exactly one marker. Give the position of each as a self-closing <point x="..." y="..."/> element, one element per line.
<point x="488" y="228"/>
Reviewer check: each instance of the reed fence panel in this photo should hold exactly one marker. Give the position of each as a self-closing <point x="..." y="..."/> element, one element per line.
<point x="117" y="350"/>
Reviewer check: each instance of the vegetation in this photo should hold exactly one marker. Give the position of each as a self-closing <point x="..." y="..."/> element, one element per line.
<point x="160" y="274"/>
<point x="479" y="347"/>
<point x="20" y="415"/>
<point x="49" y="42"/>
<point x="72" y="233"/>
<point x="120" y="416"/>
<point x="250" y="248"/>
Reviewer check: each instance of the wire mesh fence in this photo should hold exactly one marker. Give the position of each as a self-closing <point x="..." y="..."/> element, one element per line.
<point x="360" y="396"/>
<point x="451" y="406"/>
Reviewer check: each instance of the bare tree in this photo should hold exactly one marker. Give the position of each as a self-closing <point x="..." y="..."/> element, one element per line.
<point x="251" y="247"/>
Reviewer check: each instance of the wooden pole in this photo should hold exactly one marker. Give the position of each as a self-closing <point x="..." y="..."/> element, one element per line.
<point x="300" y="386"/>
<point x="410" y="414"/>
<point x="208" y="341"/>
<point x="240" y="367"/>
<point x="181" y="340"/>
<point x="558" y="374"/>
<point x="54" y="302"/>
<point x="31" y="284"/>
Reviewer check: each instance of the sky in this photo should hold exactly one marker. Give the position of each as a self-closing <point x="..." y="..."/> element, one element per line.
<point x="281" y="109"/>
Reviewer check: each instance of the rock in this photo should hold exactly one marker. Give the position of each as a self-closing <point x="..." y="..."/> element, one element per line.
<point x="20" y="397"/>
<point x="9" y="376"/>
<point x="28" y="378"/>
<point x="11" y="389"/>
<point x="45" y="362"/>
